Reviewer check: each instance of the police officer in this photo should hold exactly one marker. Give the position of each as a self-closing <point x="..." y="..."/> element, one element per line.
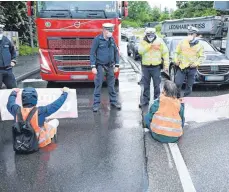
<point x="7" y="61"/>
<point x="104" y="57"/>
<point x="152" y="50"/>
<point x="189" y="55"/>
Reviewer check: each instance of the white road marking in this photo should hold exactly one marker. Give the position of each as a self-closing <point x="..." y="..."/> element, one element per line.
<point x="168" y="156"/>
<point x="184" y="175"/>
<point x="32" y="80"/>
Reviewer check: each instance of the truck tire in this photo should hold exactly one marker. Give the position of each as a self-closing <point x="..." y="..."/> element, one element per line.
<point x="116" y="82"/>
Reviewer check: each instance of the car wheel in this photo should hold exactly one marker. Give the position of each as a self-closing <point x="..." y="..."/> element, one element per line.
<point x="172" y="73"/>
<point x="128" y="53"/>
<point x="135" y="56"/>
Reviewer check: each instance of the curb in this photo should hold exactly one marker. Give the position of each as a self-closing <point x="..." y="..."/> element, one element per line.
<point x="24" y="76"/>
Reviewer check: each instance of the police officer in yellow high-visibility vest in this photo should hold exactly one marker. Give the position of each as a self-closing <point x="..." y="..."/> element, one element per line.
<point x="189" y="55"/>
<point x="153" y="51"/>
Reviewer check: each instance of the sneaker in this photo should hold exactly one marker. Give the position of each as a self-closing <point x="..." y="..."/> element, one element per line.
<point x="95" y="109"/>
<point x="116" y="105"/>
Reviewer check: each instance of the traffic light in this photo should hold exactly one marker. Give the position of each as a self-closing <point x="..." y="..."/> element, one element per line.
<point x="221" y="5"/>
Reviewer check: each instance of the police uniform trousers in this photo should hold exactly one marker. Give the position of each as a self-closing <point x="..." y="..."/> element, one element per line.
<point x="109" y="70"/>
<point x="7" y="77"/>
<point x="187" y="74"/>
<point x="149" y="72"/>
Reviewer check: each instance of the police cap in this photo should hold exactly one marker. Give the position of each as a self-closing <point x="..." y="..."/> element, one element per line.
<point x="150" y="31"/>
<point x="109" y="26"/>
<point x="192" y="30"/>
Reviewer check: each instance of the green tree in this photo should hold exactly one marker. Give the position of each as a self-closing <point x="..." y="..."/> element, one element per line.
<point x="14" y="17"/>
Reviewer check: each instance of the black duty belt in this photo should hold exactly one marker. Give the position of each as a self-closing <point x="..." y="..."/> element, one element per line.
<point x="151" y="66"/>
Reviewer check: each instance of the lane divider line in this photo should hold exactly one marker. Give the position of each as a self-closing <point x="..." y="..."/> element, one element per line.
<point x="182" y="169"/>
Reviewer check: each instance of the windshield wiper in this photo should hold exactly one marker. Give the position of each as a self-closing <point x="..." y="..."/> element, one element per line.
<point x="66" y="10"/>
<point x="105" y="15"/>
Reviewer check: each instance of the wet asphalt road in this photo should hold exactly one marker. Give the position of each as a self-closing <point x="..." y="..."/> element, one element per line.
<point x="107" y="151"/>
<point x="204" y="148"/>
<point x="101" y="151"/>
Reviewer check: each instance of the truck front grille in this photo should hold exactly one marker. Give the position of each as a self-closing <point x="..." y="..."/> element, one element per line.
<point x="69" y="43"/>
<point x="213" y="70"/>
<point x="71" y="58"/>
<point x="70" y="54"/>
<point x="69" y="68"/>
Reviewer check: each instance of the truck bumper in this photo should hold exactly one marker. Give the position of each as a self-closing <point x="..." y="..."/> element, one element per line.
<point x="76" y="77"/>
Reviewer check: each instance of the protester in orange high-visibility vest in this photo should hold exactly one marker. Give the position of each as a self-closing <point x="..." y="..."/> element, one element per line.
<point x="45" y="131"/>
<point x="166" y="115"/>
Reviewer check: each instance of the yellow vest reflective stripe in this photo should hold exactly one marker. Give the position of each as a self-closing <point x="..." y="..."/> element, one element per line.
<point x="189" y="55"/>
<point x="154" y="55"/>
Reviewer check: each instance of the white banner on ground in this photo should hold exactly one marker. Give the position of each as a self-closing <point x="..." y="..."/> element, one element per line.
<point x="205" y="109"/>
<point x="45" y="97"/>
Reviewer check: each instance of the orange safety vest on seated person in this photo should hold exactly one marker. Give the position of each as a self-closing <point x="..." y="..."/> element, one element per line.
<point x="167" y="121"/>
<point x="44" y="135"/>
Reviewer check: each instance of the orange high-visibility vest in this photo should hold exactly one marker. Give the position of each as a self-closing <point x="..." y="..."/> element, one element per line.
<point x="167" y="121"/>
<point x="43" y="134"/>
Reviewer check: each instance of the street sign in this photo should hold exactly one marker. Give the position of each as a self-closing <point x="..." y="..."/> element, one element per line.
<point x="221" y="5"/>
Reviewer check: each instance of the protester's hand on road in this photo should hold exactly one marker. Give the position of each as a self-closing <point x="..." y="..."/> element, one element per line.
<point x="116" y="69"/>
<point x="12" y="64"/>
<point x="17" y="90"/>
<point x="65" y="89"/>
<point x="94" y="71"/>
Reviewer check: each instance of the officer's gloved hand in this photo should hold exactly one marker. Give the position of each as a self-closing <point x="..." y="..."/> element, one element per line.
<point x="94" y="71"/>
<point x="65" y="89"/>
<point x="12" y="64"/>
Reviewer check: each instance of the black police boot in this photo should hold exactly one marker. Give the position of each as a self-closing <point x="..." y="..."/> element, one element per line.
<point x="141" y="105"/>
<point x="116" y="105"/>
<point x="95" y="109"/>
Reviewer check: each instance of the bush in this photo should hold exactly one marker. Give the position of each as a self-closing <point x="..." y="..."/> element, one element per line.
<point x="129" y="23"/>
<point x="27" y="50"/>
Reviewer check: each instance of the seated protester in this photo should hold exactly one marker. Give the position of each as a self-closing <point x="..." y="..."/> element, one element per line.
<point x="44" y="131"/>
<point x="166" y="115"/>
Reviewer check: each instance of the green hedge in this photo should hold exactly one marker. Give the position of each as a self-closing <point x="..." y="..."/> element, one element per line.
<point x="27" y="50"/>
<point x="129" y="23"/>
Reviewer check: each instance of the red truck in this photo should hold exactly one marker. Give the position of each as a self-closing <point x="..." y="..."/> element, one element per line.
<point x="65" y="33"/>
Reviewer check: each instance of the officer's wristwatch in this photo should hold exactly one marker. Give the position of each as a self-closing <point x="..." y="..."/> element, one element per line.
<point x="117" y="65"/>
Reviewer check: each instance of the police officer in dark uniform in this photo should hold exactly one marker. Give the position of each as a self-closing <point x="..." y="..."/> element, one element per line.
<point x="104" y="57"/>
<point x="7" y="61"/>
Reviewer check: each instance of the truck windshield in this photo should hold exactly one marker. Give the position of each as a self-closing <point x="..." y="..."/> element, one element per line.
<point x="207" y="47"/>
<point x="78" y="9"/>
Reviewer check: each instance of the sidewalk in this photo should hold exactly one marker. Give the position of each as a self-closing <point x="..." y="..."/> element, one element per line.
<point x="26" y="64"/>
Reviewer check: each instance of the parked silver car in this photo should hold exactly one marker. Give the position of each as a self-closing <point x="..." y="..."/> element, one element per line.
<point x="213" y="70"/>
